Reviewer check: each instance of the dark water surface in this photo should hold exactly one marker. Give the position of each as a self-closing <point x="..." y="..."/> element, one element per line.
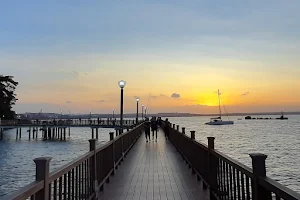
<point x="280" y="140"/>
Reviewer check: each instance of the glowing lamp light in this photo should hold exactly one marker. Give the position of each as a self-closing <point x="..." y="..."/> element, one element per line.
<point x="137" y="99"/>
<point x="122" y="84"/>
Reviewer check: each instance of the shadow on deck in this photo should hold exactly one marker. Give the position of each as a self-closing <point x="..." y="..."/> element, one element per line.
<point x="154" y="170"/>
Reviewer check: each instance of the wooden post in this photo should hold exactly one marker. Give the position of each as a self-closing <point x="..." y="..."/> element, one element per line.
<point x="93" y="167"/>
<point x="65" y="132"/>
<point x="92" y="133"/>
<point x="42" y="174"/>
<point x="177" y="127"/>
<point x="29" y="135"/>
<point x="20" y="133"/>
<point x="183" y="130"/>
<point x="17" y="134"/>
<point x="1" y="133"/>
<point x="193" y="135"/>
<point x="97" y="131"/>
<point x="259" y="170"/>
<point x="111" y="136"/>
<point x="212" y="168"/>
<point x="69" y="131"/>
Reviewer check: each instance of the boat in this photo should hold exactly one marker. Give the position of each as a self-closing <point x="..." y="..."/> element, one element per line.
<point x="218" y="120"/>
<point x="282" y="117"/>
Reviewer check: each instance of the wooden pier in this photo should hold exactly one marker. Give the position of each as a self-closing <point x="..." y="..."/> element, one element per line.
<point x="57" y="130"/>
<point x="179" y="168"/>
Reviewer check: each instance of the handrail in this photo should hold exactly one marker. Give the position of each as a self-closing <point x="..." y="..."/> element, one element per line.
<point x="278" y="189"/>
<point x="226" y="177"/>
<point x="26" y="191"/>
<point x="245" y="169"/>
<point x="82" y="176"/>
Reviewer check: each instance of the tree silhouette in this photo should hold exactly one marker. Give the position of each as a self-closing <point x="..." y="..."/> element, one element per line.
<point x="7" y="96"/>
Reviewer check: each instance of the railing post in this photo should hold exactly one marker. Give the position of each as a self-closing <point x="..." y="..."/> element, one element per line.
<point x="183" y="130"/>
<point x="193" y="135"/>
<point x="212" y="168"/>
<point x="177" y="127"/>
<point x="42" y="174"/>
<point x="259" y="170"/>
<point x="111" y="134"/>
<point x="93" y="167"/>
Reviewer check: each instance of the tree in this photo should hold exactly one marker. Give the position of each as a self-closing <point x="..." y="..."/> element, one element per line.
<point x="7" y="96"/>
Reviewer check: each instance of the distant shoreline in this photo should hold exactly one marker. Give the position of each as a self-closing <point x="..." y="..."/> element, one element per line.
<point x="131" y="115"/>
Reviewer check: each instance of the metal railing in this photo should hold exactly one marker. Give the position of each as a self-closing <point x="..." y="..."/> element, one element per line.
<point x="82" y="178"/>
<point x="226" y="178"/>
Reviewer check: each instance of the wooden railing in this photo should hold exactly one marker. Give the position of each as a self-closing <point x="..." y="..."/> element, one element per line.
<point x="225" y="177"/>
<point x="66" y="122"/>
<point x="82" y="178"/>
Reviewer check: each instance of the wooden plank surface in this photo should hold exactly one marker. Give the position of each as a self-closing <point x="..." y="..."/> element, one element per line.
<point x="153" y="170"/>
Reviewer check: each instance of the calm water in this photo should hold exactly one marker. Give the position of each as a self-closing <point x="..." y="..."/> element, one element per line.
<point x="280" y="140"/>
<point x="16" y="157"/>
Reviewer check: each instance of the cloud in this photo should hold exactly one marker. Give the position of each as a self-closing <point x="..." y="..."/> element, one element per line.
<point x="175" y="95"/>
<point x="245" y="94"/>
<point x="68" y="102"/>
<point x="162" y="95"/>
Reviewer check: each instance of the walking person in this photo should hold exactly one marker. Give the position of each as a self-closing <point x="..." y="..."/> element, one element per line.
<point x="167" y="128"/>
<point x="154" y="127"/>
<point x="147" y="129"/>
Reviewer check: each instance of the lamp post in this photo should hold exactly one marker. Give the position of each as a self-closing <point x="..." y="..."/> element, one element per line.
<point x="121" y="85"/>
<point x="137" y="110"/>
<point x="113" y="114"/>
<point x="142" y="112"/>
<point x="145" y="111"/>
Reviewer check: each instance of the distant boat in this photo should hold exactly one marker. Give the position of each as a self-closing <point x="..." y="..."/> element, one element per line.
<point x="282" y="117"/>
<point x="218" y="120"/>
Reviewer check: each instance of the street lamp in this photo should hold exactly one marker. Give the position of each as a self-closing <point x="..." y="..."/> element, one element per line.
<point x="142" y="112"/>
<point x="137" y="110"/>
<point x="122" y="85"/>
<point x="113" y="113"/>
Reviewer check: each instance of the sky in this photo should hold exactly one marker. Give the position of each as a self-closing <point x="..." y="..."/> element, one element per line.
<point x="174" y="55"/>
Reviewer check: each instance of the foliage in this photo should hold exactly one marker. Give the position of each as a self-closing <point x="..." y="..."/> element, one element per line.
<point x="7" y="97"/>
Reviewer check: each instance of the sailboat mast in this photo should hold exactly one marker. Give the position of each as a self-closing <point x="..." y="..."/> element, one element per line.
<point x="219" y="103"/>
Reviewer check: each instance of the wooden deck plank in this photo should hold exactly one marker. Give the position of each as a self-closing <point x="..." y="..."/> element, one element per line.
<point x="153" y="170"/>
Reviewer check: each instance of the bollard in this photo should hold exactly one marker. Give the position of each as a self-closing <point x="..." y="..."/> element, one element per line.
<point x="259" y="170"/>
<point x="111" y="136"/>
<point x="183" y="130"/>
<point x="42" y="174"/>
<point x="177" y="127"/>
<point x="193" y="135"/>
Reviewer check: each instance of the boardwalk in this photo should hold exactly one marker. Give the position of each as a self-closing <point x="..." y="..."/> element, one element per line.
<point x="154" y="171"/>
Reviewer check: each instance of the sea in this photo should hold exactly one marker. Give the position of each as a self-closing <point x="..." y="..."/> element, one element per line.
<point x="279" y="139"/>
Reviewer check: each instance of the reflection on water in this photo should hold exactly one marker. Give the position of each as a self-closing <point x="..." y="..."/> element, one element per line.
<point x="16" y="157"/>
<point x="279" y="139"/>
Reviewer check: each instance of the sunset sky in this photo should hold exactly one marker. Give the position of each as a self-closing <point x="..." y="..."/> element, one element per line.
<point x="174" y="55"/>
